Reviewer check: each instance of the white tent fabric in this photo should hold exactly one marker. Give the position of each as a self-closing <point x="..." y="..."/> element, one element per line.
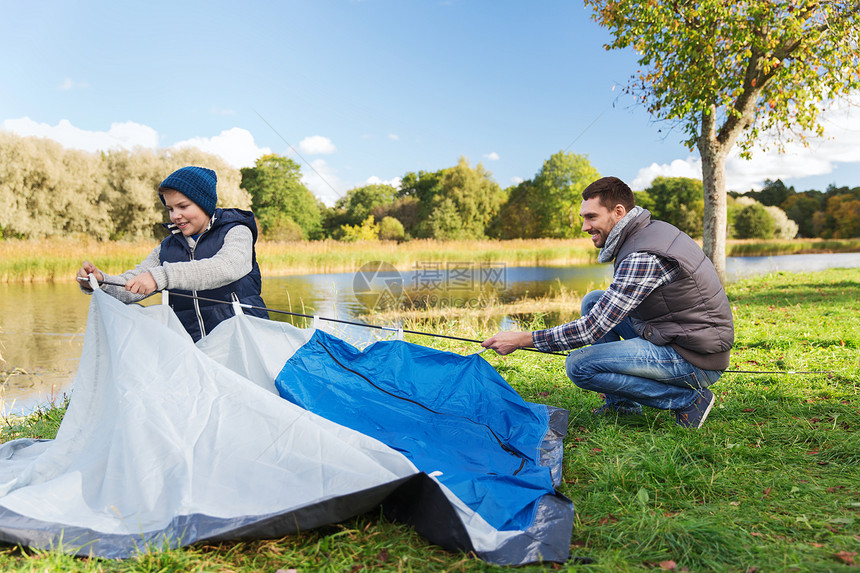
<point x="167" y="443"/>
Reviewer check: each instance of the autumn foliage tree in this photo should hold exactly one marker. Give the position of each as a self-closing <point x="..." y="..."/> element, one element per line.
<point x="728" y="72"/>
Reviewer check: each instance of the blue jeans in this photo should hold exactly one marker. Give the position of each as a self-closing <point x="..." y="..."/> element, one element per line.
<point x="633" y="370"/>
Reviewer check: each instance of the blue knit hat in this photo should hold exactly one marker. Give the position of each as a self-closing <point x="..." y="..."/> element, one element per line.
<point x="196" y="183"/>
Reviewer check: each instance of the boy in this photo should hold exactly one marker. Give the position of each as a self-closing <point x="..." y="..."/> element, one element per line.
<point x="209" y="254"/>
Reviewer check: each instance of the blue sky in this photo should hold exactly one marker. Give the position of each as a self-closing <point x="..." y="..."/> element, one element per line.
<point x="363" y="91"/>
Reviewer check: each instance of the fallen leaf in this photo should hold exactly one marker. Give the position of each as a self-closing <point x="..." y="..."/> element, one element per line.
<point x="382" y="557"/>
<point x="607" y="519"/>
<point x="752" y="569"/>
<point x="846" y="556"/>
<point x="819" y="545"/>
<point x="748" y="410"/>
<point x="668" y="565"/>
<point x="757" y="534"/>
<point x="596" y="450"/>
<point x="766" y="491"/>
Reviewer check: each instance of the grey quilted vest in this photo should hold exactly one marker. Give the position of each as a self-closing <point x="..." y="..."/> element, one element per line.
<point x="692" y="313"/>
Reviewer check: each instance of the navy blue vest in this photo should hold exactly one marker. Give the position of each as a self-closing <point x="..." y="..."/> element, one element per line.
<point x="199" y="317"/>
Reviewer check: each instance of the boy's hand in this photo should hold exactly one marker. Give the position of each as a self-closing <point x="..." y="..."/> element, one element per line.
<point x="87" y="268"/>
<point x="141" y="284"/>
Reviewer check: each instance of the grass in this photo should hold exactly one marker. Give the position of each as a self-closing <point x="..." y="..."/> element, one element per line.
<point x="771" y="483"/>
<point x="59" y="259"/>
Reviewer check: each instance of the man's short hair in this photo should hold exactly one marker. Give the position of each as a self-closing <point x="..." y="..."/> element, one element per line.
<point x="612" y="191"/>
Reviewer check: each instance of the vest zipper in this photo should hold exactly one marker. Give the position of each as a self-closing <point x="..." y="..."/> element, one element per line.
<point x="194" y="292"/>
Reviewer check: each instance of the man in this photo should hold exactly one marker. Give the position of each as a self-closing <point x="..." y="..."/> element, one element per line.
<point x="662" y="331"/>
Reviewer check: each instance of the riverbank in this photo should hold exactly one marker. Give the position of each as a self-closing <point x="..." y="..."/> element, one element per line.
<point x="58" y="260"/>
<point x="769" y="483"/>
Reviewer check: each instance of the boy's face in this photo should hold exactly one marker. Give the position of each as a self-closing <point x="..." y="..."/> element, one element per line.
<point x="184" y="213"/>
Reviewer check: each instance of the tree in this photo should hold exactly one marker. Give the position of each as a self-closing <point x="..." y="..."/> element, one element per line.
<point x="845" y="213"/>
<point x="132" y="187"/>
<point x="278" y="196"/>
<point x="773" y="193"/>
<point x="801" y="209"/>
<point x="47" y="190"/>
<point x="459" y="202"/>
<point x="559" y="185"/>
<point x="362" y="201"/>
<point x="517" y="219"/>
<point x="359" y="202"/>
<point x="727" y="72"/>
<point x="754" y="222"/>
<point x="679" y="201"/>
<point x="548" y="205"/>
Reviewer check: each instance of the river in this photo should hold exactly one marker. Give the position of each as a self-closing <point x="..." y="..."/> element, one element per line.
<point x="42" y="325"/>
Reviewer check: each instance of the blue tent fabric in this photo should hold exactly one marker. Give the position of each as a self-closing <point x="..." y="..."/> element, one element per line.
<point x="454" y="417"/>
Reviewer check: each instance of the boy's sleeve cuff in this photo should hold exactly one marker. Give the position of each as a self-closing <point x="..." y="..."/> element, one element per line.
<point x="160" y="276"/>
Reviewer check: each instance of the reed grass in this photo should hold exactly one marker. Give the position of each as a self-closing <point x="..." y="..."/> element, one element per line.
<point x="279" y="258"/>
<point x="758" y="248"/>
<point x="59" y="259"/>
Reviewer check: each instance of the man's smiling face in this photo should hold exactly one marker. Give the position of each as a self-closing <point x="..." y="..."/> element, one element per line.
<point x="598" y="221"/>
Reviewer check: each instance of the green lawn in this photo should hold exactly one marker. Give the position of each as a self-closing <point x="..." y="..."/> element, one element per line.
<point x="771" y="483"/>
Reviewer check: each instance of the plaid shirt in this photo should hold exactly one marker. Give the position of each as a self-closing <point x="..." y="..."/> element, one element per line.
<point x="635" y="278"/>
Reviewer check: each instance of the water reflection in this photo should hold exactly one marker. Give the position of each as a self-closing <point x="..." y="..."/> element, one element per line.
<point x="42" y="325"/>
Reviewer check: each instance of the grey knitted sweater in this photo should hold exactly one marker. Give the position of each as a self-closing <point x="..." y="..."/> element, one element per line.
<point x="232" y="262"/>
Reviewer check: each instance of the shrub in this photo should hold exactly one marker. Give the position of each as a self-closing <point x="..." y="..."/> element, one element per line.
<point x="390" y="229"/>
<point x="754" y="222"/>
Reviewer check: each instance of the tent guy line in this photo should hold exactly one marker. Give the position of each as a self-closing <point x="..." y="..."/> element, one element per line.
<point x="418" y="332"/>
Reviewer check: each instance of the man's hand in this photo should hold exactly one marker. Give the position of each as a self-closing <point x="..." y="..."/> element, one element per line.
<point x="141" y="284"/>
<point x="506" y="342"/>
<point x="87" y="268"/>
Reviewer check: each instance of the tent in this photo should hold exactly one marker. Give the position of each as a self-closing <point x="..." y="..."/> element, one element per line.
<point x="263" y="429"/>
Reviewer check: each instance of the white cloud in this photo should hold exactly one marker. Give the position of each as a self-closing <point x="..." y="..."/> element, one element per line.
<point x="374" y="180"/>
<point x="317" y="145"/>
<point x="125" y="135"/>
<point x="517" y="180"/>
<point x="394" y="136"/>
<point x="236" y="146"/>
<point x="69" y="84"/>
<point x="323" y="182"/>
<point x="690" y="167"/>
<point x="492" y="156"/>
<point x="840" y="144"/>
